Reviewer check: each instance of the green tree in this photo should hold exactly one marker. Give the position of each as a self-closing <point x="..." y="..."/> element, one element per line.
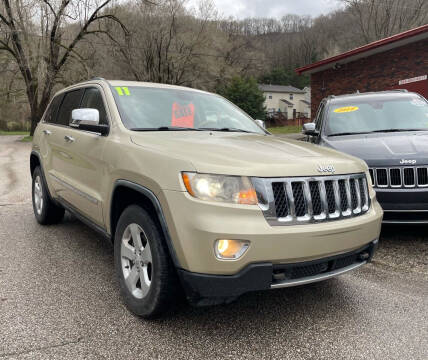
<point x="245" y="93"/>
<point x="283" y="76"/>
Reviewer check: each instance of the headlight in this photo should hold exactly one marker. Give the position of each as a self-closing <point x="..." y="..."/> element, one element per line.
<point x="221" y="188"/>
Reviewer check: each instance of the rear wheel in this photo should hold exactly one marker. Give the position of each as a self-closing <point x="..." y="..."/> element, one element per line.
<point x="147" y="278"/>
<point x="45" y="210"/>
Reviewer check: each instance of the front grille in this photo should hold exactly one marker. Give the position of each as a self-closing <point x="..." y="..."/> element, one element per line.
<point x="400" y="177"/>
<point x="313" y="199"/>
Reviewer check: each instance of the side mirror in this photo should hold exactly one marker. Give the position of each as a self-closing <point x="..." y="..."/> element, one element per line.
<point x="309" y="129"/>
<point x="261" y="123"/>
<point x="89" y="120"/>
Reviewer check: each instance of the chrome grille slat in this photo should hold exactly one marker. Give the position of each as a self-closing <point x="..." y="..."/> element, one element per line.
<point x="313" y="199"/>
<point x="400" y="177"/>
<point x="336" y="199"/>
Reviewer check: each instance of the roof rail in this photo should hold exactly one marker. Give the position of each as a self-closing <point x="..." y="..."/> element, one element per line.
<point x="400" y="90"/>
<point x="97" y="78"/>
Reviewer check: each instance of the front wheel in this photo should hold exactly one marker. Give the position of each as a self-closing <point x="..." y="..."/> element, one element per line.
<point x="45" y="210"/>
<point x="147" y="278"/>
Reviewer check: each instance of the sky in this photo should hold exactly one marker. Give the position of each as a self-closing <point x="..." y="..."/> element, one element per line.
<point x="272" y="8"/>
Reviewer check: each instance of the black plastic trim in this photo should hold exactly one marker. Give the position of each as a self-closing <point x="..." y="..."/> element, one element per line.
<point x="155" y="202"/>
<point x="207" y="289"/>
<point x="36" y="153"/>
<point x="70" y="208"/>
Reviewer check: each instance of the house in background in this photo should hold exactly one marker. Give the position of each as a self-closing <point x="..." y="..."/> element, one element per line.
<point x="287" y="101"/>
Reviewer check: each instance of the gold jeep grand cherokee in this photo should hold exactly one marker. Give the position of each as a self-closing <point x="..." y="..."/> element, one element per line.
<point x="196" y="196"/>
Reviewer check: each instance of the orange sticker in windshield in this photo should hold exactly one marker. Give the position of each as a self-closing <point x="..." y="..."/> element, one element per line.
<point x="183" y="115"/>
<point x="346" y="109"/>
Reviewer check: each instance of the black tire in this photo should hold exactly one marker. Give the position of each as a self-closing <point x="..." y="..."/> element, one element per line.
<point x="163" y="292"/>
<point x="48" y="212"/>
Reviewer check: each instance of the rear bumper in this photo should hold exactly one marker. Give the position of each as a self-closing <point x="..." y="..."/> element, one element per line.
<point x="207" y="289"/>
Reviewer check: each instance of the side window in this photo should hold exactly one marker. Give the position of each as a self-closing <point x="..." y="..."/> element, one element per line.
<point x="51" y="112"/>
<point x="93" y="99"/>
<point x="70" y="102"/>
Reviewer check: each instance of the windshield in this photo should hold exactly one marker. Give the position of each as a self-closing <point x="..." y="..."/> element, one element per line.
<point x="152" y="109"/>
<point x="377" y="113"/>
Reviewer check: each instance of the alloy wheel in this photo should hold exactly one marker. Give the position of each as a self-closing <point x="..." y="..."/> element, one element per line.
<point x="38" y="195"/>
<point x="136" y="260"/>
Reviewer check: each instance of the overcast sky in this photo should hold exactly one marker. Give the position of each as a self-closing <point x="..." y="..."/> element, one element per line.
<point x="272" y="8"/>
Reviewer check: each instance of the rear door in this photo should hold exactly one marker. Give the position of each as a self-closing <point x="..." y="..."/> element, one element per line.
<point x="59" y="157"/>
<point x="83" y="164"/>
<point x="47" y="148"/>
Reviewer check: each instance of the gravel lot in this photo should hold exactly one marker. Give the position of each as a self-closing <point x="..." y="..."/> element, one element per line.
<point x="59" y="299"/>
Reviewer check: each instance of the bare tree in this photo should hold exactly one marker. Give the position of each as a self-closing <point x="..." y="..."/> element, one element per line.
<point x="32" y="32"/>
<point x="378" y="19"/>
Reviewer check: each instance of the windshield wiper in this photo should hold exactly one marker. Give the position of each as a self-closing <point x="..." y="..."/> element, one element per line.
<point x="228" y="129"/>
<point x="350" y="133"/>
<point x="166" y="128"/>
<point x="376" y="131"/>
<point x="397" y="130"/>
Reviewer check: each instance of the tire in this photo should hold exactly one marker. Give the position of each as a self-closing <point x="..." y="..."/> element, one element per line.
<point x="147" y="278"/>
<point x="45" y="210"/>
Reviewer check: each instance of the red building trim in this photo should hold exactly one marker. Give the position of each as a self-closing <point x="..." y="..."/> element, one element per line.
<point x="398" y="38"/>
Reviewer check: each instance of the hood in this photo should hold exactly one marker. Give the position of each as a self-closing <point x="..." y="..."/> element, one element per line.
<point x="246" y="154"/>
<point x="388" y="149"/>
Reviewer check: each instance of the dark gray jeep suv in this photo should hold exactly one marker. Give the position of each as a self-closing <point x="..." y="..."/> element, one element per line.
<point x="389" y="130"/>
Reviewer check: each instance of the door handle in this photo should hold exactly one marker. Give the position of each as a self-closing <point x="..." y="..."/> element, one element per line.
<point x="47" y="132"/>
<point x="69" y="138"/>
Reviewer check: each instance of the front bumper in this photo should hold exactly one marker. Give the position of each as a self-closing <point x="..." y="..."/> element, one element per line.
<point x="195" y="225"/>
<point x="404" y="206"/>
<point x="204" y="289"/>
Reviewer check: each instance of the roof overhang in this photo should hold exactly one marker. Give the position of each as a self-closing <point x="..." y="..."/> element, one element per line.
<point x="392" y="42"/>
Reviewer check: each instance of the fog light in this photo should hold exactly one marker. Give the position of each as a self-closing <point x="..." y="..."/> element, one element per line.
<point x="230" y="249"/>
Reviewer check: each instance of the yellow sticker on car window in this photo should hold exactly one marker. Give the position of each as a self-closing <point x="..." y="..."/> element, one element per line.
<point x="122" y="90"/>
<point x="346" y="109"/>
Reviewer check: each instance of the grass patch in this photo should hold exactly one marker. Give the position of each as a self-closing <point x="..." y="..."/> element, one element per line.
<point x="285" y="130"/>
<point x="27" y="138"/>
<point x="2" y="132"/>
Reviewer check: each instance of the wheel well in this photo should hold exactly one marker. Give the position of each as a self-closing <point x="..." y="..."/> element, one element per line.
<point x="124" y="196"/>
<point x="34" y="162"/>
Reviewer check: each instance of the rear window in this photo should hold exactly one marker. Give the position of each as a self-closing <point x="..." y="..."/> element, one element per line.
<point x="377" y="113"/>
<point x="51" y="112"/>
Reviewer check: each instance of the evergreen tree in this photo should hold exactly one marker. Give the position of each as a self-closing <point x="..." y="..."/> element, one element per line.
<point x="245" y="93"/>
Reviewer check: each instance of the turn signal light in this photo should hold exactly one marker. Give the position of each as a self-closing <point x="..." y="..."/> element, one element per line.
<point x="248" y="197"/>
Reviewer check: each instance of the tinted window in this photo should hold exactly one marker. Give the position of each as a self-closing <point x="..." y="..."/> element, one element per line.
<point x="71" y="101"/>
<point x="94" y="100"/>
<point x="377" y="113"/>
<point x="51" y="112"/>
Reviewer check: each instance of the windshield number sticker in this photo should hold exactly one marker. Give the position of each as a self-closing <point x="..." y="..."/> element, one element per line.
<point x="183" y="115"/>
<point x="122" y="90"/>
<point x="346" y="109"/>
